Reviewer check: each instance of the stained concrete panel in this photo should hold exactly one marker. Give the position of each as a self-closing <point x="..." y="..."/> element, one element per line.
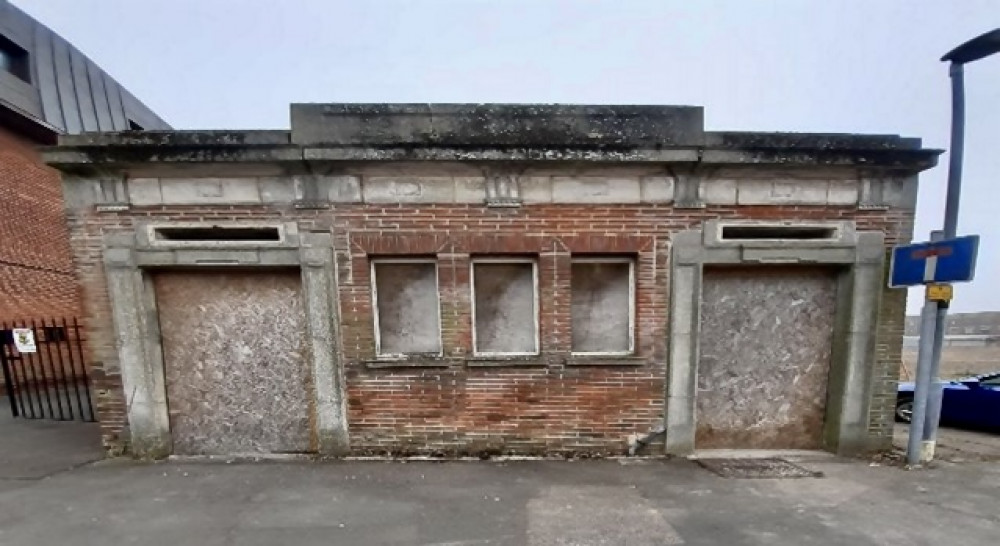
<point x="408" y="313"/>
<point x="772" y="192"/>
<point x="594" y="189"/>
<point x="843" y="192"/>
<point x="601" y="310"/>
<point x="194" y="191"/>
<point x="505" y="316"/>
<point x="765" y="347"/>
<point x="536" y="189"/>
<point x="656" y="189"/>
<point x="389" y="189"/>
<point x="144" y="191"/>
<point x="235" y="360"/>
<point x="718" y="192"/>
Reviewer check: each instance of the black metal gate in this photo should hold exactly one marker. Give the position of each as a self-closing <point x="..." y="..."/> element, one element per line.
<point x="50" y="383"/>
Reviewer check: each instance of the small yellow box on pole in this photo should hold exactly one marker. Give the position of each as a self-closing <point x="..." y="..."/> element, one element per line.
<point x="940" y="292"/>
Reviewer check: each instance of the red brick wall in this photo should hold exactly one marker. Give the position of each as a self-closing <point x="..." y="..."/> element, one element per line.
<point x="545" y="408"/>
<point x="36" y="272"/>
<point x="458" y="409"/>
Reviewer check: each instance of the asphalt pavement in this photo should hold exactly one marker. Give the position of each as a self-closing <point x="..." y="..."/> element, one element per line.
<point x="54" y="490"/>
<point x="636" y="502"/>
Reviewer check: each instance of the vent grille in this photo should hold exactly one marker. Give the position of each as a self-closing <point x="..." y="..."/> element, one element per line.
<point x="776" y="233"/>
<point x="218" y="234"/>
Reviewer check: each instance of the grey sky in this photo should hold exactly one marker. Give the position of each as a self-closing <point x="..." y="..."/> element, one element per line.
<point x="844" y="66"/>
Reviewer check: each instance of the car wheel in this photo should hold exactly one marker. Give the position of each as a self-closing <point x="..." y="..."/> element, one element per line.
<point x="904" y="409"/>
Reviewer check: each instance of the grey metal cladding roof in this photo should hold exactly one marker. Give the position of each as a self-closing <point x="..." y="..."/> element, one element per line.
<point x="67" y="90"/>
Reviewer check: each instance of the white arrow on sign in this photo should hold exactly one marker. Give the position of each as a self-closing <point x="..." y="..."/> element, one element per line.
<point x="930" y="268"/>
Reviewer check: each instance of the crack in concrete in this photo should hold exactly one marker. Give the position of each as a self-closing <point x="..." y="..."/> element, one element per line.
<point x="50" y="474"/>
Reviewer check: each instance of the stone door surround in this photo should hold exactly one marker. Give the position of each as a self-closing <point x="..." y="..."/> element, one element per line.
<point x="858" y="258"/>
<point x="128" y="259"/>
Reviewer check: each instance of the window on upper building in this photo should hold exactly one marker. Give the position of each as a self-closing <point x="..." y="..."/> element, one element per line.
<point x="407" y="312"/>
<point x="603" y="306"/>
<point x="505" y="306"/>
<point x="133" y="126"/>
<point x="14" y="60"/>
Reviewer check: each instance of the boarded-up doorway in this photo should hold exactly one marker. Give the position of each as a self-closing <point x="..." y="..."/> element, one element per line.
<point x="235" y="361"/>
<point x="765" y="344"/>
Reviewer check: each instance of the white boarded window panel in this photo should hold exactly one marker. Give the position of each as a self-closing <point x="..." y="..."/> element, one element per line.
<point x="407" y="308"/>
<point x="505" y="315"/>
<point x="602" y="306"/>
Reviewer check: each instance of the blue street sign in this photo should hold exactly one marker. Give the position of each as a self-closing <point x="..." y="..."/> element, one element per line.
<point x="953" y="260"/>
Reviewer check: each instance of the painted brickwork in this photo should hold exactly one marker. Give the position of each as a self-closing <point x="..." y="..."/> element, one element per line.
<point x="552" y="403"/>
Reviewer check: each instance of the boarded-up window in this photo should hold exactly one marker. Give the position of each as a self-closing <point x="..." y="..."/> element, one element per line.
<point x="602" y="306"/>
<point x="505" y="318"/>
<point x="407" y="320"/>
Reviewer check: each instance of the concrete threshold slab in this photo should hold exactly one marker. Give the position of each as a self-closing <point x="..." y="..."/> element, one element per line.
<point x="308" y="457"/>
<point x="791" y="455"/>
<point x="243" y="458"/>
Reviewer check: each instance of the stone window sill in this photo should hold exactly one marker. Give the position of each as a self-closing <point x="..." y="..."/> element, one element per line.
<point x="504" y="361"/>
<point x="605" y="360"/>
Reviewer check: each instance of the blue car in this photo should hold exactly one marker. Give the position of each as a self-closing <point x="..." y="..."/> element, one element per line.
<point x="972" y="402"/>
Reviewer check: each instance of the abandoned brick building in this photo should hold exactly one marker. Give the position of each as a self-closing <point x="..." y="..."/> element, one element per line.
<point x="449" y="279"/>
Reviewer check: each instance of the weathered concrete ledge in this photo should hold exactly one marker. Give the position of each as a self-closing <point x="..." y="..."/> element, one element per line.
<point x="207" y="138"/>
<point x="496" y="125"/>
<point x="809" y="141"/>
<point x="487" y="133"/>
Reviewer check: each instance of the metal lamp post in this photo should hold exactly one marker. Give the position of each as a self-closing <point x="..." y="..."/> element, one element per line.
<point x="928" y="391"/>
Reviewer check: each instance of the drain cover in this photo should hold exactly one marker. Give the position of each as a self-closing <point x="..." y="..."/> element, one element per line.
<point x="757" y="468"/>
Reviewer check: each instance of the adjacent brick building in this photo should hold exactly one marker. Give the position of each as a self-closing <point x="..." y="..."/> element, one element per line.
<point x="47" y="88"/>
<point x="36" y="273"/>
<point x="455" y="279"/>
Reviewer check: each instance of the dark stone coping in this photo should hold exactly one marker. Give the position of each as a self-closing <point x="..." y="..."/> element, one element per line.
<point x="497" y="125"/>
<point x="206" y="138"/>
<point x="809" y="141"/>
